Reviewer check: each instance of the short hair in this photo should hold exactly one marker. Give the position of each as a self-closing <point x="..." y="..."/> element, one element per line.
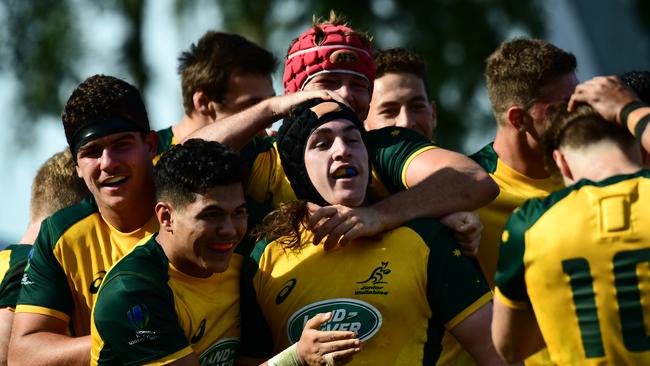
<point x="581" y="127"/>
<point x="101" y="97"/>
<point x="518" y="70"/>
<point x="56" y="186"/>
<point x="209" y="62"/>
<point x="639" y="82"/>
<point x="195" y="167"/>
<point x="400" y="60"/>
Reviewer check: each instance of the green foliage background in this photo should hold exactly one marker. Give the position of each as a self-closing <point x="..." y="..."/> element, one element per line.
<point x="40" y="44"/>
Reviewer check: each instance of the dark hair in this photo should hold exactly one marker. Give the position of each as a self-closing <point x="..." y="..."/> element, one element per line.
<point x="581" y="127"/>
<point x="639" y="82"/>
<point x="101" y="97"/>
<point x="195" y="167"/>
<point x="519" y="69"/>
<point x="400" y="60"/>
<point x="208" y="63"/>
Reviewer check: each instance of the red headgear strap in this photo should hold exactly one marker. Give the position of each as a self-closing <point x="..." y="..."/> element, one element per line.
<point x="341" y="50"/>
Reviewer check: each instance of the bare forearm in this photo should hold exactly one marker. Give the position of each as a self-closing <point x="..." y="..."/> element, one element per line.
<point x="446" y="191"/>
<point x="6" y="319"/>
<point x="49" y="348"/>
<point x="237" y="130"/>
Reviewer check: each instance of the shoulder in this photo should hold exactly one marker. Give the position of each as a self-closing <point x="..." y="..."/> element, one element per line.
<point x="486" y="158"/>
<point x="430" y="230"/>
<point x="165" y="138"/>
<point x="145" y="264"/>
<point x="64" y="219"/>
<point x="394" y="137"/>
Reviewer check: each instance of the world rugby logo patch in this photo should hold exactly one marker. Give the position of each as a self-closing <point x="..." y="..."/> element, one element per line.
<point x="347" y="315"/>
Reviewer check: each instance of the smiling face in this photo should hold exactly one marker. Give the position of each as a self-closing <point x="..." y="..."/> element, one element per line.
<point x="117" y="169"/>
<point x="205" y="232"/>
<point x="336" y="160"/>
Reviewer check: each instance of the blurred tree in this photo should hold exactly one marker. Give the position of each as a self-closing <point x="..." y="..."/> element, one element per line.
<point x="40" y="43"/>
<point x="40" y="46"/>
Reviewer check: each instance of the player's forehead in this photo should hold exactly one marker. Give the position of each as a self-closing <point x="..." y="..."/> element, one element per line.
<point x="337" y="77"/>
<point x="399" y="85"/>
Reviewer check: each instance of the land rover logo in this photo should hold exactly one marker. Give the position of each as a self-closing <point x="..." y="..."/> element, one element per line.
<point x="221" y="353"/>
<point x="347" y="314"/>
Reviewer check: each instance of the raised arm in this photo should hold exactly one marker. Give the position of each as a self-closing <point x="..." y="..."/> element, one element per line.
<point x="616" y="103"/>
<point x="237" y="130"/>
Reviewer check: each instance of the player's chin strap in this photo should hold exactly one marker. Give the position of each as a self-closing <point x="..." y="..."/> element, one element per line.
<point x="288" y="357"/>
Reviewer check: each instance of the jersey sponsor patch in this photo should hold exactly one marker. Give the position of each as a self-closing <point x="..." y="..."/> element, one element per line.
<point x="222" y="353"/>
<point x="347" y="315"/>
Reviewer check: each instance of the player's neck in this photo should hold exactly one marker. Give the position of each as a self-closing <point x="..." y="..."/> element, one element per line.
<point x="517" y="153"/>
<point x="177" y="254"/>
<point x="600" y="161"/>
<point x="29" y="237"/>
<point x="132" y="216"/>
<point x="189" y="124"/>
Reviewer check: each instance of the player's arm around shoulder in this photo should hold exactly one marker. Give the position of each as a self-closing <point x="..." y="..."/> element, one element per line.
<point x="515" y="331"/>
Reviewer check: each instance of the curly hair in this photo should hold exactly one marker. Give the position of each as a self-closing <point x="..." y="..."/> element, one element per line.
<point x="101" y="97"/>
<point x="518" y="70"/>
<point x="56" y="186"/>
<point x="209" y="62"/>
<point x="639" y="81"/>
<point x="196" y="166"/>
<point x="581" y="127"/>
<point x="400" y="60"/>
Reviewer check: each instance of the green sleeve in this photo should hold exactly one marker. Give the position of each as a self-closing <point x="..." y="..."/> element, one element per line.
<point x="390" y="148"/>
<point x="136" y="319"/>
<point x="44" y="283"/>
<point x="165" y="137"/>
<point x="255" y="147"/>
<point x="454" y="282"/>
<point x="256" y="337"/>
<point x="10" y="285"/>
<point x="510" y="275"/>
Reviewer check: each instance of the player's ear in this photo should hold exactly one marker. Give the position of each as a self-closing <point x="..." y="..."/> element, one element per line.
<point x="165" y="217"/>
<point x="516" y="117"/>
<point x="562" y="164"/>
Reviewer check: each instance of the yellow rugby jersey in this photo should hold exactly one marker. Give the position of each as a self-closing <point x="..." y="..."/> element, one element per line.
<point x="515" y="188"/>
<point x="74" y="249"/>
<point x="13" y="260"/>
<point x="148" y="312"/>
<point x="391" y="149"/>
<point x="166" y="139"/>
<point x="581" y="257"/>
<point x="398" y="292"/>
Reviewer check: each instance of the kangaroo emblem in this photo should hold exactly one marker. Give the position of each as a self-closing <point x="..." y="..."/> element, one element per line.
<point x="377" y="274"/>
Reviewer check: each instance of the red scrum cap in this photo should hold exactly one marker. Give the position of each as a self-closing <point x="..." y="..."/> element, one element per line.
<point x="340" y="50"/>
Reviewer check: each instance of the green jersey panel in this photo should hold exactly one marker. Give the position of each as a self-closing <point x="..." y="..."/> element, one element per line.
<point x="13" y="260"/>
<point x="135" y="314"/>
